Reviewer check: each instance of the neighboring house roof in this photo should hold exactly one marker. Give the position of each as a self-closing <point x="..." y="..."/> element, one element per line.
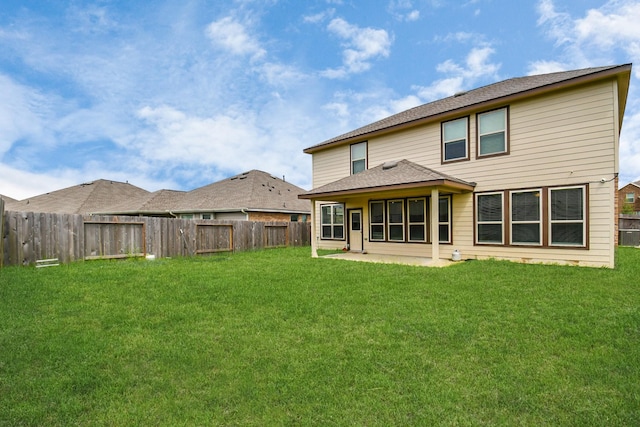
<point x="253" y="191"/>
<point x="249" y="191"/>
<point x="389" y="176"/>
<point x="503" y="91"/>
<point x="7" y="198"/>
<point x="82" y="199"/>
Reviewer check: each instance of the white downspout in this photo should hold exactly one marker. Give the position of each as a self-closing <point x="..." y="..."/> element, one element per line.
<point x="314" y="243"/>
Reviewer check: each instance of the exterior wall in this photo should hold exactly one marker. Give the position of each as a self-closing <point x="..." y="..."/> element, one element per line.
<point x="622" y="193"/>
<point x="568" y="137"/>
<point x="275" y="216"/>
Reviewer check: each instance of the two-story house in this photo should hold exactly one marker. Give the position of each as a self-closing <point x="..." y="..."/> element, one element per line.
<point x="524" y="169"/>
<point x="629" y="199"/>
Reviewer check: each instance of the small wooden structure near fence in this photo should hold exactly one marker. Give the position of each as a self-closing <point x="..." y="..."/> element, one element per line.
<point x="29" y="238"/>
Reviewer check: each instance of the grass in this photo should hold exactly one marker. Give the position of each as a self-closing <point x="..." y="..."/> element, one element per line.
<point x="277" y="338"/>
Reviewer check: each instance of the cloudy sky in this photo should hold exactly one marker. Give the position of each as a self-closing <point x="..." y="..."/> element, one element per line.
<point x="178" y="94"/>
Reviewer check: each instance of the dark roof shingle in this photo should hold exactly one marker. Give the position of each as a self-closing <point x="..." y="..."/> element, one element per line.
<point x="495" y="91"/>
<point x="386" y="175"/>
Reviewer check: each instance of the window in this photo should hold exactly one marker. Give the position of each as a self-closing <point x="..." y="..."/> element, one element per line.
<point x="444" y="220"/>
<point x="207" y="216"/>
<point x="455" y="139"/>
<point x="417" y="220"/>
<point x="332" y="222"/>
<point x="630" y="198"/>
<point x="567" y="216"/>
<point x="358" y="157"/>
<point x="395" y="209"/>
<point x="558" y="219"/>
<point x="376" y="219"/>
<point x="293" y="218"/>
<point x="490" y="218"/>
<point x="526" y="218"/>
<point x="492" y="132"/>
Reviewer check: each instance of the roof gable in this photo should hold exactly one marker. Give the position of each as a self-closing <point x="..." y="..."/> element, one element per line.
<point x="497" y="92"/>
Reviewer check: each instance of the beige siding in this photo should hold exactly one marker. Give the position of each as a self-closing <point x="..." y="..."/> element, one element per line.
<point x="565" y="138"/>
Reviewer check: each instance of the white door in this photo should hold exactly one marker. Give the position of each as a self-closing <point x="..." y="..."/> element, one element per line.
<point x="355" y="230"/>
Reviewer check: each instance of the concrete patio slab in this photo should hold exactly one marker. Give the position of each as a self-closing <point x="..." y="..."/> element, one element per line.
<point x="390" y="259"/>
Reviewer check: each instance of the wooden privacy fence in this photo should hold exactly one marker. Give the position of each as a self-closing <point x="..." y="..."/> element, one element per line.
<point x="28" y="237"/>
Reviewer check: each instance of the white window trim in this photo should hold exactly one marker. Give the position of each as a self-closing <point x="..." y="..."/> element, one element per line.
<point x="445" y="142"/>
<point x="424" y="223"/>
<point x="501" y="222"/>
<point x="384" y="217"/>
<point x="584" y="218"/>
<point x="401" y="223"/>
<point x="332" y="224"/>
<point x="506" y="132"/>
<point x="539" y="221"/>
<point x="448" y="222"/>
<point x="355" y="159"/>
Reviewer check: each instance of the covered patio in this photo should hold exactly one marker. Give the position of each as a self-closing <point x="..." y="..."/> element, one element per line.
<point x="393" y="179"/>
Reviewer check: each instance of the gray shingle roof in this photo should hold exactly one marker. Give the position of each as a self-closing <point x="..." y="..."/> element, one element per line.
<point x="493" y="92"/>
<point x="82" y="199"/>
<point x="252" y="190"/>
<point x="389" y="175"/>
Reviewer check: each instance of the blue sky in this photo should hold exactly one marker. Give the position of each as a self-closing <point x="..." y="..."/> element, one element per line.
<point x="178" y="94"/>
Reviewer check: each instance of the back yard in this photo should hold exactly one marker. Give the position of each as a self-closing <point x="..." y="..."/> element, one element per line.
<point x="277" y="338"/>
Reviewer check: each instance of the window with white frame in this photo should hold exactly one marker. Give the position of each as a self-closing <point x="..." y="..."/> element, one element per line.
<point x="526" y="218"/>
<point x="376" y="221"/>
<point x="490" y="218"/>
<point x="444" y="219"/>
<point x="358" y="157"/>
<point x="417" y="220"/>
<point x="455" y="139"/>
<point x="395" y="223"/>
<point x="630" y="198"/>
<point x="567" y="215"/>
<point x="332" y="222"/>
<point x="492" y="132"/>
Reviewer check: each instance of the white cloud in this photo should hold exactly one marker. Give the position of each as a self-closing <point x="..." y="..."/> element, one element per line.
<point x="545" y="67"/>
<point x="361" y="46"/>
<point x="477" y="66"/>
<point x="232" y="36"/>
<point x="319" y="17"/>
<point x="403" y="10"/>
<point x="595" y="38"/>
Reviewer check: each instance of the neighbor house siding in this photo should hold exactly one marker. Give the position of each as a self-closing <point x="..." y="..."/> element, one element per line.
<point x="568" y="137"/>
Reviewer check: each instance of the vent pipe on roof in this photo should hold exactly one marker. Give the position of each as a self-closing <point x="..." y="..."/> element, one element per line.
<point x="389" y="165"/>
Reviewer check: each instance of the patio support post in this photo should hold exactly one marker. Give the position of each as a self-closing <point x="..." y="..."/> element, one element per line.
<point x="314" y="232"/>
<point x="435" y="229"/>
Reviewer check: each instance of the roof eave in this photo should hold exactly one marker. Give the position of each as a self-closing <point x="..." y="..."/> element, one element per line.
<point x="445" y="183"/>
<point x="621" y="72"/>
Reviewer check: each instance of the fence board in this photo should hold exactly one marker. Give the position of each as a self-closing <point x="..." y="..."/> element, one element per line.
<point x="28" y="237"/>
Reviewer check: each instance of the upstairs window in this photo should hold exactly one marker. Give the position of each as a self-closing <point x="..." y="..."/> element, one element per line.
<point x="492" y="132"/>
<point x="332" y="222"/>
<point x="358" y="157"/>
<point x="455" y="140"/>
<point x="630" y="198"/>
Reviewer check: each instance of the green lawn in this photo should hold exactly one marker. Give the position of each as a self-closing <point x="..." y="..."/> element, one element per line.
<point x="278" y="338"/>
